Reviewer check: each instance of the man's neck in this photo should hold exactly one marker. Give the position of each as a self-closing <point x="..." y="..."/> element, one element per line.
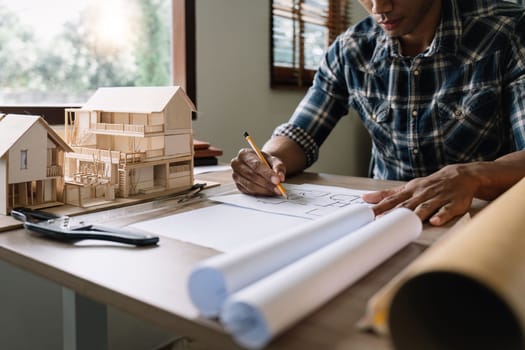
<point x="421" y="37"/>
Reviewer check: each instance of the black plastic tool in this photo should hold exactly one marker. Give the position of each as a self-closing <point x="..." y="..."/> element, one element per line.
<point x="58" y="227"/>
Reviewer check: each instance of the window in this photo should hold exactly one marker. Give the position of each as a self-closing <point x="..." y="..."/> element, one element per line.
<point x="301" y="32"/>
<point x="56" y="53"/>
<point x="61" y="52"/>
<point x="23" y="159"/>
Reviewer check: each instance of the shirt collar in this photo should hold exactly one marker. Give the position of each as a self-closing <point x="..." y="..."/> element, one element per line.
<point x="449" y="33"/>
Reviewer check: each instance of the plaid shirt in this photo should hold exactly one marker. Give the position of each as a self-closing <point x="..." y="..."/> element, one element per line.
<point x="461" y="100"/>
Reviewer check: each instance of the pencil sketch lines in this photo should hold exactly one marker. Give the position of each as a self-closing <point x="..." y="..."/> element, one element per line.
<point x="315" y="203"/>
<point x="306" y="201"/>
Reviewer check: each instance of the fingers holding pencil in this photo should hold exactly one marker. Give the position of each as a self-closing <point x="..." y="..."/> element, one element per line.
<point x="257" y="150"/>
<point x="258" y="173"/>
<point x="252" y="176"/>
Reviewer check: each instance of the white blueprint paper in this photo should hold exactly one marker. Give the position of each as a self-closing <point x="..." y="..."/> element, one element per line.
<point x="231" y="226"/>
<point x="222" y="227"/>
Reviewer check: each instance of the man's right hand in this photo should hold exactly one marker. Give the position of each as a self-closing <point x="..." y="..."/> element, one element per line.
<point x="253" y="177"/>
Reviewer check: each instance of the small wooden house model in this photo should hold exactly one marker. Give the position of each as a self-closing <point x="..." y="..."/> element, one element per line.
<point x="128" y="141"/>
<point x="31" y="160"/>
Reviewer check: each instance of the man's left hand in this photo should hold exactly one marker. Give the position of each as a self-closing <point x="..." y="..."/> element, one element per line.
<point x="438" y="197"/>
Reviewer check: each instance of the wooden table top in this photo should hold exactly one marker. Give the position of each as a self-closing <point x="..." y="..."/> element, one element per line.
<point x="150" y="283"/>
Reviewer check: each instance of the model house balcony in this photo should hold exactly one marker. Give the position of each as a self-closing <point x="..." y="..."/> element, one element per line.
<point x="153" y="153"/>
<point x="125" y="129"/>
<point x="113" y="157"/>
<point x="94" y="154"/>
<point x="136" y="157"/>
<point x="132" y="157"/>
<point x="54" y="171"/>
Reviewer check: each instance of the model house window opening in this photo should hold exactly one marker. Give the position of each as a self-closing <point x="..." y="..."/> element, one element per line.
<point x="23" y="159"/>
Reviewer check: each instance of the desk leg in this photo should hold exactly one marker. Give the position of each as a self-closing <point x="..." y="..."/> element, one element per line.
<point x="84" y="323"/>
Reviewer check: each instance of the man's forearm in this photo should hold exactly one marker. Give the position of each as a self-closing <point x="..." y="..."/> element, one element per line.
<point x="498" y="176"/>
<point x="290" y="153"/>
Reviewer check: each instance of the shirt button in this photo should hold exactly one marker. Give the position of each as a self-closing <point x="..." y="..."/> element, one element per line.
<point x="415" y="150"/>
<point x="458" y="113"/>
<point x="414" y="113"/>
<point x="416" y="72"/>
<point x="374" y="116"/>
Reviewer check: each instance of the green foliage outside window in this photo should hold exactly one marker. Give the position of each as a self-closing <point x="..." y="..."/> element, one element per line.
<point x="129" y="45"/>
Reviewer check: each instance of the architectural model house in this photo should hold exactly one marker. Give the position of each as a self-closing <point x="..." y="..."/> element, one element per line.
<point x="128" y="141"/>
<point x="31" y="163"/>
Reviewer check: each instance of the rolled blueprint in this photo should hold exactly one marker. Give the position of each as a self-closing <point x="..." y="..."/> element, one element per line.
<point x="254" y="315"/>
<point x="213" y="280"/>
<point x="469" y="292"/>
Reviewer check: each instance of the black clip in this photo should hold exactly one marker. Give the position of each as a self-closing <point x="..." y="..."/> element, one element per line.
<point x="58" y="227"/>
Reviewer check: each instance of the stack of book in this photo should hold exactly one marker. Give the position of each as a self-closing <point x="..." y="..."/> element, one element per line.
<point x="205" y="153"/>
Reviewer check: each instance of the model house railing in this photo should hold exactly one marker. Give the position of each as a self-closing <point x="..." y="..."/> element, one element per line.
<point x="152" y="153"/>
<point x="125" y="128"/>
<point x="135" y="157"/>
<point x="54" y="170"/>
<point x="132" y="157"/>
<point x="93" y="154"/>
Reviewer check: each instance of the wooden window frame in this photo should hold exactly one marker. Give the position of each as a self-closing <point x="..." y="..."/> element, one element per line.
<point x="337" y="20"/>
<point x="183" y="64"/>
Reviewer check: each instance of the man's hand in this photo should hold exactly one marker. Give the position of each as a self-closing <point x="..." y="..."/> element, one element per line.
<point x="438" y="197"/>
<point x="253" y="177"/>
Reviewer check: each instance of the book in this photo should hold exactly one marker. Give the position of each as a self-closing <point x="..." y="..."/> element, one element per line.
<point x="205" y="153"/>
<point x="205" y="161"/>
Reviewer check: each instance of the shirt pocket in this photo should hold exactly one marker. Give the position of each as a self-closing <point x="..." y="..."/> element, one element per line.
<point x="471" y="126"/>
<point x="376" y="116"/>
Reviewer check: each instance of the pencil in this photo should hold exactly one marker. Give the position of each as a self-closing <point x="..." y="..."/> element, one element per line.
<point x="263" y="159"/>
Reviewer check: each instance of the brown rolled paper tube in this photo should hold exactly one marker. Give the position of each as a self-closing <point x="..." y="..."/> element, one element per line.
<point x="469" y="293"/>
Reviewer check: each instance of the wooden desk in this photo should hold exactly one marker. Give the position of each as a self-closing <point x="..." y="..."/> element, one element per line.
<point x="150" y="283"/>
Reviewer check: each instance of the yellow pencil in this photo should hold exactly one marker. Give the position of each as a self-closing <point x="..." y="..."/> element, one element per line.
<point x="261" y="156"/>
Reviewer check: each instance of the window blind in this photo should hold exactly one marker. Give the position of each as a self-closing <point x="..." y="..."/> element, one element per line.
<point x="301" y="32"/>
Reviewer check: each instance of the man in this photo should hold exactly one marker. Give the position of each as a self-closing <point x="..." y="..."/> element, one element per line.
<point x="440" y="86"/>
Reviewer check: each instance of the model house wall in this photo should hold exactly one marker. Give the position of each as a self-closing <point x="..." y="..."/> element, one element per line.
<point x="31" y="163"/>
<point x="129" y="141"/>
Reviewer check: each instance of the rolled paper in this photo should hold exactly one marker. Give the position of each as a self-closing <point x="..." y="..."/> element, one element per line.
<point x="256" y="314"/>
<point x="375" y="318"/>
<point x="214" y="279"/>
<point x="468" y="293"/>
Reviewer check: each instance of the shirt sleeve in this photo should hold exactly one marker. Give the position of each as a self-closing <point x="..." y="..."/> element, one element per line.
<point x="514" y="91"/>
<point x="321" y="108"/>
<point x="516" y="97"/>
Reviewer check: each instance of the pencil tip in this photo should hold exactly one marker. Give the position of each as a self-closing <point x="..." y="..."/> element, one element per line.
<point x="246" y="134"/>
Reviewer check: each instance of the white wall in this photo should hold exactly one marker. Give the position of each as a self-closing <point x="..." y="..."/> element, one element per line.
<point x="233" y="86"/>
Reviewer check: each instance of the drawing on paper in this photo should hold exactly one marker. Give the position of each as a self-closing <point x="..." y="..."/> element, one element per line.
<point x="314" y="202"/>
<point x="307" y="201"/>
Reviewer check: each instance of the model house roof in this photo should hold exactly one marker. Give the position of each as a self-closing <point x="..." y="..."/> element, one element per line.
<point x="131" y="99"/>
<point x="14" y="126"/>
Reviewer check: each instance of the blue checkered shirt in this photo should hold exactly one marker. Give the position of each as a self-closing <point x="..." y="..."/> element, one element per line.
<point x="461" y="100"/>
